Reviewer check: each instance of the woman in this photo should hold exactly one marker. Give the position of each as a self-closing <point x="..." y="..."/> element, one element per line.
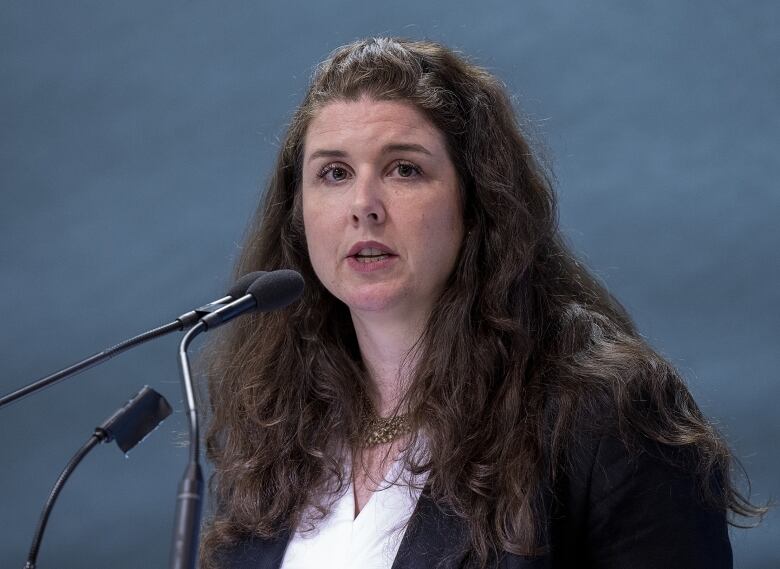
<point x="452" y="371"/>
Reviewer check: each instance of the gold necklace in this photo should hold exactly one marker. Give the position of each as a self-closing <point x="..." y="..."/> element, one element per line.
<point x="378" y="430"/>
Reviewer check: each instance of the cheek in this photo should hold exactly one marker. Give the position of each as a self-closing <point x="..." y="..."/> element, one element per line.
<point x="321" y="240"/>
<point x="314" y="234"/>
<point x="440" y="238"/>
<point x="446" y="227"/>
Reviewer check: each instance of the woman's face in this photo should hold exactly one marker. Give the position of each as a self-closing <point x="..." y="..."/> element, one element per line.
<point x="381" y="206"/>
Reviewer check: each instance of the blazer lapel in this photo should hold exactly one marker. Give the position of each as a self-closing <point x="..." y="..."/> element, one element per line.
<point x="435" y="536"/>
<point x="431" y="536"/>
<point x="256" y="553"/>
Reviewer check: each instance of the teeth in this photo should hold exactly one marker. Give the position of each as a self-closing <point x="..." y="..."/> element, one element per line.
<point x="370" y="252"/>
<point x="370" y="259"/>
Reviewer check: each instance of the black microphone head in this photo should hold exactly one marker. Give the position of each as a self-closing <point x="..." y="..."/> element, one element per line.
<point x="240" y="287"/>
<point x="136" y="419"/>
<point x="276" y="289"/>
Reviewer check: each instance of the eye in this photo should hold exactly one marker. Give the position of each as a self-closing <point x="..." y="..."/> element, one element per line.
<point x="407" y="169"/>
<point x="333" y="173"/>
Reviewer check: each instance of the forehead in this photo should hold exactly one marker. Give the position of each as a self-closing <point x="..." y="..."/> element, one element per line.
<point x="367" y="121"/>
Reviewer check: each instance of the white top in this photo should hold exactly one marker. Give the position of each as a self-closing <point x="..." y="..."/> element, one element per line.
<point x="368" y="541"/>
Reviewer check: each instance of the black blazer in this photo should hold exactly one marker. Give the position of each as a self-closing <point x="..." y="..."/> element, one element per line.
<point x="614" y="510"/>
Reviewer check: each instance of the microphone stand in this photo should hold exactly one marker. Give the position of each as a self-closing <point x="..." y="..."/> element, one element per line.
<point x="189" y="501"/>
<point x="269" y="292"/>
<point x="264" y="291"/>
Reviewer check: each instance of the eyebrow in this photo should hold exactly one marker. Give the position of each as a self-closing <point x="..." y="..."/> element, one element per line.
<point x="405" y="148"/>
<point x="397" y="147"/>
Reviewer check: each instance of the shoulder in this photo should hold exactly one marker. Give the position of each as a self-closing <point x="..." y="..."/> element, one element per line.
<point x="634" y="504"/>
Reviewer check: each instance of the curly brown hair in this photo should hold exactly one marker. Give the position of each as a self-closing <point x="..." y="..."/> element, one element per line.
<point x="522" y="347"/>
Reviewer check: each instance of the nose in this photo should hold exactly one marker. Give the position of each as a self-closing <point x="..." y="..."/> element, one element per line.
<point x="367" y="203"/>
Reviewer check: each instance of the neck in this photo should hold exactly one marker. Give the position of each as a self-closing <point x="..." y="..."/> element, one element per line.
<point x="386" y="346"/>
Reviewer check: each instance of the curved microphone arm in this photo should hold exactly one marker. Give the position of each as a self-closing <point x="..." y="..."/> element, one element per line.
<point x="189" y="501"/>
<point x="188" y="390"/>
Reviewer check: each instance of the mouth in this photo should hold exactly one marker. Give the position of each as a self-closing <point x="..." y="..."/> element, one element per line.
<point x="370" y="252"/>
<point x="370" y="255"/>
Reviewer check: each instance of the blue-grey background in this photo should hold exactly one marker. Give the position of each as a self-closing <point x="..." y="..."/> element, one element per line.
<point x="135" y="138"/>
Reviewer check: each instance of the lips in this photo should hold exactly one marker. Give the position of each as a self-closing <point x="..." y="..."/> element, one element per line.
<point x="365" y="251"/>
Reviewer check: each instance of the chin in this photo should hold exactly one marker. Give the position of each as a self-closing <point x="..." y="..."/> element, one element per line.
<point x="373" y="299"/>
<point x="375" y="303"/>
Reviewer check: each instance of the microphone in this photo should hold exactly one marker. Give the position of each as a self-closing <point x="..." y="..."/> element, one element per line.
<point x="240" y="287"/>
<point x="270" y="291"/>
<point x="237" y="291"/>
<point x="127" y="426"/>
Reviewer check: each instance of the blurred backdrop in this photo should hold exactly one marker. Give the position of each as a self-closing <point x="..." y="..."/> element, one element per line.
<point x="136" y="137"/>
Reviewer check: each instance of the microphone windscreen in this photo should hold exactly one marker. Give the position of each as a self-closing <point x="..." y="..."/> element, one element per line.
<point x="137" y="418"/>
<point x="240" y="287"/>
<point x="276" y="289"/>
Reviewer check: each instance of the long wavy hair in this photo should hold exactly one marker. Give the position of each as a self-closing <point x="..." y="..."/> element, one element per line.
<point x="523" y="347"/>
